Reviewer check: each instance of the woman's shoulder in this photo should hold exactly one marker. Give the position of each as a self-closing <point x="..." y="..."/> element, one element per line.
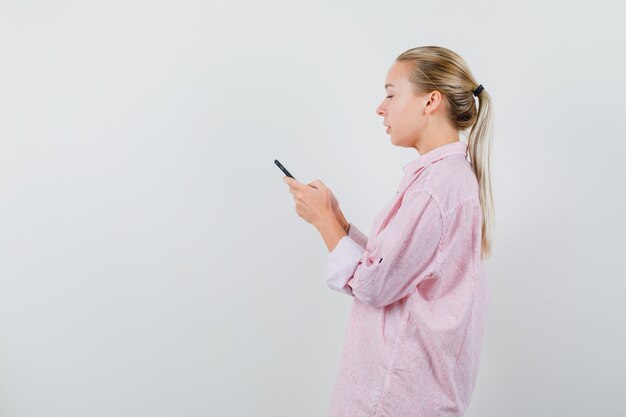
<point x="450" y="181"/>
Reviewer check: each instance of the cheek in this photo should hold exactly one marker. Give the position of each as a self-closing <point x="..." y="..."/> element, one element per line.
<point x="401" y="118"/>
<point x="400" y="108"/>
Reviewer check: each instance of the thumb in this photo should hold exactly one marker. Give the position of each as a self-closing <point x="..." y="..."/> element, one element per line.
<point x="317" y="184"/>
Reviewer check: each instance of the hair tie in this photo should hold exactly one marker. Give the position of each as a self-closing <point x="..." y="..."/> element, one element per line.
<point x="478" y="90"/>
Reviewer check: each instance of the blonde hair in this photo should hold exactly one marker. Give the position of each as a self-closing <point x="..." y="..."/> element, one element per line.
<point x="437" y="68"/>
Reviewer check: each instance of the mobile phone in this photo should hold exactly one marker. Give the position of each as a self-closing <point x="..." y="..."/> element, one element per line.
<point x="282" y="168"/>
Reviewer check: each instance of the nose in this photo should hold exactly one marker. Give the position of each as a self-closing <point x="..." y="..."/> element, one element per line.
<point x="380" y="110"/>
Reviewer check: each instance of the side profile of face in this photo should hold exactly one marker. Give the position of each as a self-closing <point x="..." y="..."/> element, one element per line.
<point x="414" y="121"/>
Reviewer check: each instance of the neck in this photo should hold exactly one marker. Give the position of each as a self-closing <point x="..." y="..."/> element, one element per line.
<point x="426" y="147"/>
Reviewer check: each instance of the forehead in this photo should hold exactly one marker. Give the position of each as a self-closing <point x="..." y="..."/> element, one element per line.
<point x="397" y="75"/>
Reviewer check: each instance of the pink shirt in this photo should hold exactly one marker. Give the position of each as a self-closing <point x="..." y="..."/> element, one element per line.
<point x="414" y="335"/>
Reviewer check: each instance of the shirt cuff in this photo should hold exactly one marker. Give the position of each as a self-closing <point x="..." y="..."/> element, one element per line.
<point x="342" y="262"/>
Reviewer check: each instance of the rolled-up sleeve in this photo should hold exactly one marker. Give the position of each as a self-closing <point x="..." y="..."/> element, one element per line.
<point x="402" y="254"/>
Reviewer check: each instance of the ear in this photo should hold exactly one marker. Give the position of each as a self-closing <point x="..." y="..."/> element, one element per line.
<point x="433" y="101"/>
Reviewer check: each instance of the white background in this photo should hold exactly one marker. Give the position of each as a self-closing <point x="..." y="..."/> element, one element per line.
<point x="151" y="259"/>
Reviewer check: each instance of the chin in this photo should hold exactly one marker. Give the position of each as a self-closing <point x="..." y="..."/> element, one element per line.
<point x="395" y="140"/>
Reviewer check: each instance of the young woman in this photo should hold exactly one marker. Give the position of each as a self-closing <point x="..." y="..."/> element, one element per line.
<point x="418" y="280"/>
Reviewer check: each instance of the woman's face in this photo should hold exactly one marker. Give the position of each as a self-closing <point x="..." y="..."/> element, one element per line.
<point x="402" y="110"/>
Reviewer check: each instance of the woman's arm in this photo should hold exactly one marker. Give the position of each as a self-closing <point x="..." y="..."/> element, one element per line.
<point x="331" y="230"/>
<point x="351" y="230"/>
<point x="342" y="220"/>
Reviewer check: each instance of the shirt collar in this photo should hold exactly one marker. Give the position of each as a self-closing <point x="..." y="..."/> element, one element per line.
<point x="440" y="152"/>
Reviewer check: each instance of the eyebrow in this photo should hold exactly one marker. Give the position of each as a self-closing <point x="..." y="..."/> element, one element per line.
<point x="387" y="85"/>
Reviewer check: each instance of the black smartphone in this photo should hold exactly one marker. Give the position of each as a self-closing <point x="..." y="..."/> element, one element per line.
<point x="282" y="168"/>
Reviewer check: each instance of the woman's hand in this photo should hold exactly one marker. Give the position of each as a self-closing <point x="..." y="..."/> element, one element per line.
<point x="334" y="204"/>
<point x="314" y="201"/>
<point x="338" y="213"/>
